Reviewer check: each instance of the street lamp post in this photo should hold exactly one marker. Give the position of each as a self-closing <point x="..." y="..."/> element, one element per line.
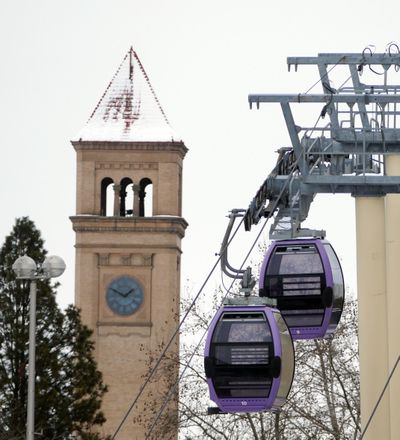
<point x="26" y="269"/>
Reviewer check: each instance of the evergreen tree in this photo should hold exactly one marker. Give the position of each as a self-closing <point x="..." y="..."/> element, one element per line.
<point x="69" y="387"/>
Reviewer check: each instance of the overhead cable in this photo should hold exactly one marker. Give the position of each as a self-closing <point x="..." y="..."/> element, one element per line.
<point x="153" y="370"/>
<point x="380" y="398"/>
<point x="271" y="212"/>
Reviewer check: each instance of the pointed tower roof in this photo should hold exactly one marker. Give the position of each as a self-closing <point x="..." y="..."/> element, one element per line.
<point x="129" y="110"/>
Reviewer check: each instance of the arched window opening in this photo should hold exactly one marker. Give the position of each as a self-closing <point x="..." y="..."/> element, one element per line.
<point x="148" y="201"/>
<point x="146" y="198"/>
<point x="129" y="200"/>
<point x="107" y="197"/>
<point x="126" y="197"/>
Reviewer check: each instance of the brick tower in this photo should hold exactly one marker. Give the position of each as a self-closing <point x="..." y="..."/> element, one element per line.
<point x="128" y="229"/>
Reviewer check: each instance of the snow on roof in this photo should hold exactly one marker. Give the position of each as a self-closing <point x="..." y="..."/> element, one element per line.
<point x="129" y="110"/>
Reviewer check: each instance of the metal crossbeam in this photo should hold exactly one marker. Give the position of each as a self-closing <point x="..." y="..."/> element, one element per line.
<point x="364" y="98"/>
<point x="313" y="184"/>
<point x="385" y="59"/>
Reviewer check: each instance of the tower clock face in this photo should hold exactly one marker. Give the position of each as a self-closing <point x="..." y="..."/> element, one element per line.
<point x="124" y="295"/>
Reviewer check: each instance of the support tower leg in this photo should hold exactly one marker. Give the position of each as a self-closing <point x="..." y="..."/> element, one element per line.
<point x="371" y="281"/>
<point x="392" y="219"/>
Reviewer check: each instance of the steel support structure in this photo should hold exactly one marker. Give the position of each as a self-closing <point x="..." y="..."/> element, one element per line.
<point x="357" y="152"/>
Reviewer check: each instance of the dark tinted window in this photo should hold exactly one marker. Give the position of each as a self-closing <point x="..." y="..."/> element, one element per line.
<point x="242" y="348"/>
<point x="337" y="274"/>
<point x="295" y="270"/>
<point x="242" y="327"/>
<point x="247" y="385"/>
<point x="242" y="355"/>
<point x="303" y="259"/>
<point x="303" y="318"/>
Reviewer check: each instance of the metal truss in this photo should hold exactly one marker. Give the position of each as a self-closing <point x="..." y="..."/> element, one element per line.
<point x="346" y="154"/>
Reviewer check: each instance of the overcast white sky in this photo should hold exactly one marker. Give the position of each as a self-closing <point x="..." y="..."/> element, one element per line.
<point x="203" y="58"/>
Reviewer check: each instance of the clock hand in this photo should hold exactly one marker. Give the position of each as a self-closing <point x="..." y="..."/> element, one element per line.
<point x="127" y="293"/>
<point x="117" y="291"/>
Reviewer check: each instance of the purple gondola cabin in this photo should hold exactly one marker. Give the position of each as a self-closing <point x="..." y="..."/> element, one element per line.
<point x="249" y="359"/>
<point x="305" y="277"/>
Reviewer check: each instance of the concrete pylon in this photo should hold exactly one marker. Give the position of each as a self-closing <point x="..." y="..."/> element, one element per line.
<point x="392" y="220"/>
<point x="371" y="280"/>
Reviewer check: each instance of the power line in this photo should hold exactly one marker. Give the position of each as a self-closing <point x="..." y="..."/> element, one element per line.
<point x="324" y="75"/>
<point x="173" y="337"/>
<point x="271" y="212"/>
<point x="191" y="306"/>
<point x="152" y="372"/>
<point x="380" y="398"/>
<point x="173" y="389"/>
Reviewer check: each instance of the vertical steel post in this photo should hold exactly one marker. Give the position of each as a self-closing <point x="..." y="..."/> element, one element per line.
<point x="30" y="422"/>
<point x="371" y="285"/>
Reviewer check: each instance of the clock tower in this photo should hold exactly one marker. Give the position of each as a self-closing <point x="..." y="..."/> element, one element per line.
<point x="129" y="229"/>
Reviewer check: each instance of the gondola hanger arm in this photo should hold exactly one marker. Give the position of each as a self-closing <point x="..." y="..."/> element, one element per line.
<point x="247" y="280"/>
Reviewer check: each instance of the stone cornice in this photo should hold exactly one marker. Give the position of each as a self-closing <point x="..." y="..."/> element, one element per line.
<point x="154" y="225"/>
<point x="176" y="147"/>
<point x="128" y="246"/>
<point x="123" y="324"/>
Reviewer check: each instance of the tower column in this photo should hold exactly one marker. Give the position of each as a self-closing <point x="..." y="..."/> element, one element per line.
<point x="371" y="281"/>
<point x="117" y="207"/>
<point x="136" y="201"/>
<point x="142" y="195"/>
<point x="392" y="220"/>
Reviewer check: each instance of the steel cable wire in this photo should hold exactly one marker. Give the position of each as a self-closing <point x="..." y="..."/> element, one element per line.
<point x="153" y="370"/>
<point x="177" y="330"/>
<point x="173" y="389"/>
<point x="323" y="76"/>
<point x="380" y="398"/>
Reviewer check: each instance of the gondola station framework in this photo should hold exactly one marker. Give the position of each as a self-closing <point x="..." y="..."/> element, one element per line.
<point x="357" y="151"/>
